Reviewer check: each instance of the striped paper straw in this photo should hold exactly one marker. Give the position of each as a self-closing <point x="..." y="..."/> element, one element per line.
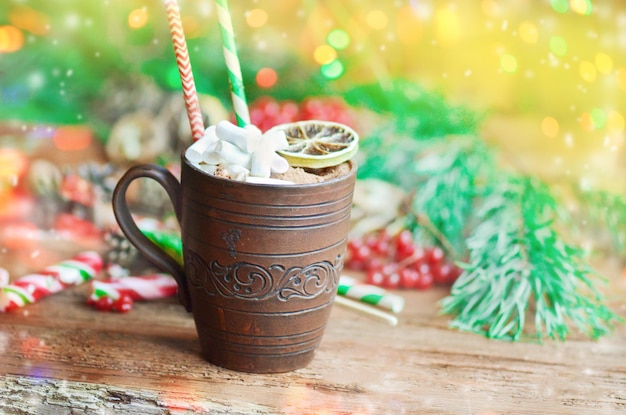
<point x="370" y="294"/>
<point x="184" y="69"/>
<point x="232" y="63"/>
<point x="366" y="309"/>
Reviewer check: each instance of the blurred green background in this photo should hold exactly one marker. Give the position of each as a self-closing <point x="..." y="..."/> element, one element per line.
<point x="548" y="75"/>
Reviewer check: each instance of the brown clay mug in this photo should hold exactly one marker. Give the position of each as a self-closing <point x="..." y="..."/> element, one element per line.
<point x="261" y="262"/>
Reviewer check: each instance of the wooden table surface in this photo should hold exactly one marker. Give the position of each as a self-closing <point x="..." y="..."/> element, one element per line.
<point x="59" y="356"/>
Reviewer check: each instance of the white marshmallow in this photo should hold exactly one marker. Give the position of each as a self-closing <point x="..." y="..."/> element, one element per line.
<point x="267" y="180"/>
<point x="239" y="151"/>
<point x="237" y="172"/>
<point x="279" y="164"/>
<point x="261" y="164"/>
<point x="238" y="136"/>
<point x="232" y="154"/>
<point x="195" y="151"/>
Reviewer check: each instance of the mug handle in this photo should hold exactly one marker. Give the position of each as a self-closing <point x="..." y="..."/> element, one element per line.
<point x="149" y="249"/>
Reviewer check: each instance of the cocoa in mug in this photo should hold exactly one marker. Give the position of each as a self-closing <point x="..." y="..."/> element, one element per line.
<point x="261" y="261"/>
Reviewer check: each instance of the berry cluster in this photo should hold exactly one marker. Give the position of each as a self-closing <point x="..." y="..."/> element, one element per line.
<point x="398" y="262"/>
<point x="266" y="112"/>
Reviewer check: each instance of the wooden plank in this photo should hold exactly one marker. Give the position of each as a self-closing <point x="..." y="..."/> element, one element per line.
<point x="61" y="355"/>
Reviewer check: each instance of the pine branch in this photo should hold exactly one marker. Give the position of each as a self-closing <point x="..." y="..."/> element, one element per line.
<point x="450" y="177"/>
<point x="517" y="260"/>
<point x="519" y="266"/>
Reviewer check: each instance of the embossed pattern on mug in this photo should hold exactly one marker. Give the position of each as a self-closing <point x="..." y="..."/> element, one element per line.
<point x="250" y="281"/>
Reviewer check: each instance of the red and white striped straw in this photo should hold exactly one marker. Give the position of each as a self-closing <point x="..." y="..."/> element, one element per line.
<point x="184" y="69"/>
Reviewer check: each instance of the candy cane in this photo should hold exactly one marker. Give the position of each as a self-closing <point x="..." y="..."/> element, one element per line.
<point x="33" y="287"/>
<point x="370" y="294"/>
<point x="119" y="294"/>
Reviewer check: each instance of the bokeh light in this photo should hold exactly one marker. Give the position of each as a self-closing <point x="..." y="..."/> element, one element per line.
<point x="604" y="63"/>
<point x="499" y="56"/>
<point x="583" y="7"/>
<point x="599" y="118"/>
<point x="615" y="122"/>
<point x="30" y="20"/>
<point x="586" y="122"/>
<point x="559" y="6"/>
<point x="490" y="8"/>
<point x="324" y="54"/>
<point x="138" y="18"/>
<point x="448" y="26"/>
<point x="621" y="78"/>
<point x="72" y="137"/>
<point x="192" y="26"/>
<point x="332" y="70"/>
<point x="508" y="63"/>
<point x="528" y="32"/>
<point x="588" y="71"/>
<point x="266" y="77"/>
<point x="550" y="127"/>
<point x="338" y="39"/>
<point x="13" y="163"/>
<point x="376" y="19"/>
<point x="256" y="18"/>
<point x="409" y="26"/>
<point x="11" y="39"/>
<point x="558" y="45"/>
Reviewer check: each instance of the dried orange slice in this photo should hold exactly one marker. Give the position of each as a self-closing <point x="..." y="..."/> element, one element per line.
<point x="317" y="144"/>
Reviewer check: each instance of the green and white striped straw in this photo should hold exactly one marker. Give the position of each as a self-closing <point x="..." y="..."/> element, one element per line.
<point x="370" y="294"/>
<point x="232" y="63"/>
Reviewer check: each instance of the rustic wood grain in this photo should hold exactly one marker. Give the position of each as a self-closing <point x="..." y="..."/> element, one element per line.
<point x="61" y="357"/>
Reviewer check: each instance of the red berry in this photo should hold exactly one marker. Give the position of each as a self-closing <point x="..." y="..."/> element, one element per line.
<point x="445" y="273"/>
<point x="358" y="257"/>
<point x="266" y="112"/>
<point x="370" y="240"/>
<point x="455" y="274"/>
<point x="434" y="255"/>
<point x="375" y="277"/>
<point x="325" y="109"/>
<point x="425" y="281"/>
<point x="353" y="244"/>
<point x="409" y="277"/>
<point x="374" y="263"/>
<point x="382" y="245"/>
<point x="404" y="245"/>
<point x="441" y="273"/>
<point x="416" y="259"/>
<point x="391" y="276"/>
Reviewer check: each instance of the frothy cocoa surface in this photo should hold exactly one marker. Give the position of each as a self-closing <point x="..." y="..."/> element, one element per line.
<point x="299" y="175"/>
